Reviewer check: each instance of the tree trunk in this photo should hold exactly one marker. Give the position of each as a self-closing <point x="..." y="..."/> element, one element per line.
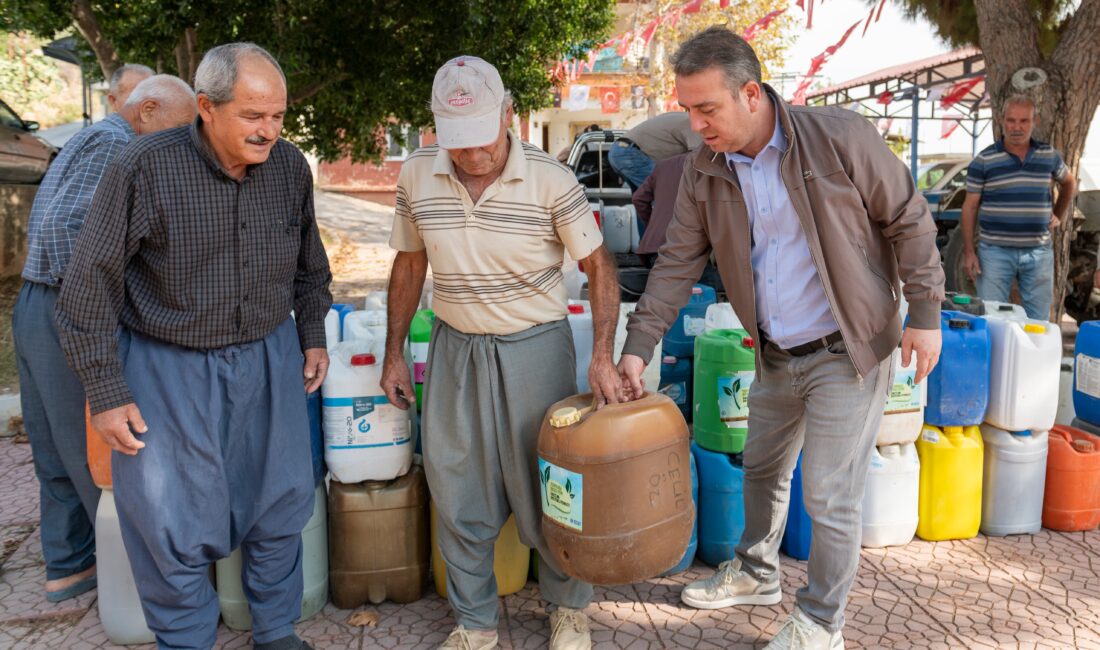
<point x="1066" y="103"/>
<point x="88" y="26"/>
<point x="187" y="55"/>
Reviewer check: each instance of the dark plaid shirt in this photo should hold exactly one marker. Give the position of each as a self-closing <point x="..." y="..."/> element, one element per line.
<point x="175" y="248"/>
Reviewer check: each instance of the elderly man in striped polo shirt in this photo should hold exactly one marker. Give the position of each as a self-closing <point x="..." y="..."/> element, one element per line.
<point x="1008" y="190"/>
<point x="493" y="216"/>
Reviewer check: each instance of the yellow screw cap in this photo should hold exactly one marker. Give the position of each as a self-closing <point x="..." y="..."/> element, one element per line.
<point x="565" y="416"/>
<point x="1034" y="328"/>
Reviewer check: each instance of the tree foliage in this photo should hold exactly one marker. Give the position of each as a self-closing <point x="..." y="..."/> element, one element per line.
<point x="351" y="67"/>
<point x="31" y="84"/>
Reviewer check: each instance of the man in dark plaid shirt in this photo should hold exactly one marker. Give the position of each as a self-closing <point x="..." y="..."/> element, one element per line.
<point x="200" y="243"/>
<point x="51" y="395"/>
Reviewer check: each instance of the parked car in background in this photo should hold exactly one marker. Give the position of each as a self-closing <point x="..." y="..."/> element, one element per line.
<point x="24" y="156"/>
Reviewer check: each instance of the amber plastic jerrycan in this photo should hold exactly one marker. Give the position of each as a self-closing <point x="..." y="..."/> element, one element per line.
<point x="615" y="488"/>
<point x="99" y="453"/>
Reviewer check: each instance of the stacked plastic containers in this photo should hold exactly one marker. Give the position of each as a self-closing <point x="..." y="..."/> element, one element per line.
<point x="950" y="446"/>
<point x="1071" y="501"/>
<point x="721" y="511"/>
<point x="1013" y="480"/>
<point x="652" y="372"/>
<point x="891" y="496"/>
<point x="334" y="323"/>
<point x="1086" y="373"/>
<point x="580" y="323"/>
<point x="678" y="348"/>
<point x="725" y="367"/>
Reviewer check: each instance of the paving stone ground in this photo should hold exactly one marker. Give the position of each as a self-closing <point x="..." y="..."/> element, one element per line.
<point x="1036" y="591"/>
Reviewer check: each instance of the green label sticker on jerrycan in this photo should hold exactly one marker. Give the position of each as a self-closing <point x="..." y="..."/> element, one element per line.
<point x="562" y="495"/>
<point x="725" y="367"/>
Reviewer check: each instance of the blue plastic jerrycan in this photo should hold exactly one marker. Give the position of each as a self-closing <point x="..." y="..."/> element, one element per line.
<point x="680" y="339"/>
<point x="721" y="504"/>
<point x="958" y="388"/>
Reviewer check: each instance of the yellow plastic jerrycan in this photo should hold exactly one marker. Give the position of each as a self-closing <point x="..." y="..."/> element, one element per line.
<point x="511" y="559"/>
<point x="616" y="488"/>
<point x="950" y="482"/>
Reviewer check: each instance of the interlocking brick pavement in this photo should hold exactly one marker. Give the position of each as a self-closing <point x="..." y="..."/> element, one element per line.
<point x="1026" y="591"/>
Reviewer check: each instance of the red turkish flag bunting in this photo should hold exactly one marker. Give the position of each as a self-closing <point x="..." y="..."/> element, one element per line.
<point x="959" y="90"/>
<point x="762" y="24"/>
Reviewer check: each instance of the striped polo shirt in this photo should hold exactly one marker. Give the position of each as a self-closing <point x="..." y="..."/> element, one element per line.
<point x="1016" y="194"/>
<point x="496" y="265"/>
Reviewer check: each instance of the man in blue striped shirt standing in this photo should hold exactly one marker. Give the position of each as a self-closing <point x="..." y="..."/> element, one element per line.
<point x="1008" y="191"/>
<point x="51" y="396"/>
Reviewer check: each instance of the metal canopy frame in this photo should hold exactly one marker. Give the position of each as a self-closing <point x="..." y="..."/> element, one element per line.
<point x="910" y="86"/>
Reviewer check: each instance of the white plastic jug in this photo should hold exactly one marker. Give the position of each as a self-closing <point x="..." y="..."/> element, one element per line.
<point x="1013" y="480"/>
<point x="119" y="605"/>
<point x="652" y="372"/>
<point x="720" y="316"/>
<point x="367" y="326"/>
<point x="366" y="437"/>
<point x="903" y="415"/>
<point x="332" y="329"/>
<point x="231" y="599"/>
<point x="375" y="300"/>
<point x="1005" y="311"/>
<point x="572" y="277"/>
<point x="580" y="321"/>
<point x="617" y="224"/>
<point x="1025" y="363"/>
<point x="890" y="496"/>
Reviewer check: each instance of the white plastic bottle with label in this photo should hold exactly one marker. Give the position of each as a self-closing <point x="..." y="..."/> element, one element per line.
<point x="890" y="496"/>
<point x="1005" y="311"/>
<point x="720" y="316"/>
<point x="1025" y="362"/>
<point x="119" y="604"/>
<point x="903" y="416"/>
<point x="580" y="321"/>
<point x="367" y="326"/>
<point x="366" y="437"/>
<point x="231" y="598"/>
<point x="652" y="372"/>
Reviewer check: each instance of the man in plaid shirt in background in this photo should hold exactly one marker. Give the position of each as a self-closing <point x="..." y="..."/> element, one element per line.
<point x="51" y="395"/>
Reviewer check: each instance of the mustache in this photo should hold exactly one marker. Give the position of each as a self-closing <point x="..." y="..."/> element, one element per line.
<point x="257" y="139"/>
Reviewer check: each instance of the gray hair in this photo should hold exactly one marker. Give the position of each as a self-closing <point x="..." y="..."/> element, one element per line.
<point x="162" y="88"/>
<point x="718" y="47"/>
<point x="506" y="103"/>
<point x="1019" y="100"/>
<point x="217" y="73"/>
<point x="120" y="72"/>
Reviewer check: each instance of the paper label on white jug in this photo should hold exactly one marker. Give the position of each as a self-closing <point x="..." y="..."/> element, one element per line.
<point x="562" y="495"/>
<point x="1088" y="375"/>
<point x="930" y="435"/>
<point x="905" y="394"/>
<point x="420" y="361"/>
<point x="694" y="326"/>
<point x="363" y="422"/>
<point x="676" y="391"/>
<point x="733" y="398"/>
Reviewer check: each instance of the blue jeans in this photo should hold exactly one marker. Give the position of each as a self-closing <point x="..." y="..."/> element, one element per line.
<point x="1031" y="267"/>
<point x="53" y="415"/>
<point x="631" y="163"/>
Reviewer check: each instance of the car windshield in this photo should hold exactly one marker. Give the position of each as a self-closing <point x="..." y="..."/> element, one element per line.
<point x="9" y="118"/>
<point x="929" y="175"/>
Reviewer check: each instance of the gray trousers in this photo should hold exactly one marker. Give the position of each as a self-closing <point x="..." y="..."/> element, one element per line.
<point x="226" y="463"/>
<point x="815" y="404"/>
<point x="52" y="399"/>
<point x="484" y="400"/>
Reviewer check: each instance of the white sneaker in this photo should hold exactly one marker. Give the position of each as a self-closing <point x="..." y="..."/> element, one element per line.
<point x="569" y="630"/>
<point x="729" y="586"/>
<point x="801" y="633"/>
<point x="463" y="639"/>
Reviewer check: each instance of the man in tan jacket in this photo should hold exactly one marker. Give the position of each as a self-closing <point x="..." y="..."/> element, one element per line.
<point x="812" y="220"/>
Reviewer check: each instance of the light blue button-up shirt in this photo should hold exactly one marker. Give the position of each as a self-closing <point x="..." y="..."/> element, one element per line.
<point x="791" y="306"/>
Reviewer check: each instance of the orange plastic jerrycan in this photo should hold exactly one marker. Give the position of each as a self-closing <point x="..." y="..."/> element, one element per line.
<point x="99" y="453"/>
<point x="1071" y="501"/>
<point x="615" y="488"/>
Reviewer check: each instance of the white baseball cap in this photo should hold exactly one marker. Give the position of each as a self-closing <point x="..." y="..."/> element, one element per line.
<point x="467" y="96"/>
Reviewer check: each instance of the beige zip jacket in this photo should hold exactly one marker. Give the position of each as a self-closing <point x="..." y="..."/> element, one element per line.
<point x="864" y="220"/>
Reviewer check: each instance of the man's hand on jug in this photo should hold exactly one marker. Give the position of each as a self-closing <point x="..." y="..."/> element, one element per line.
<point x="925" y="346"/>
<point x="630" y="370"/>
<point x="315" y="368"/>
<point x="607" y="386"/>
<point x="397" y="382"/>
<point x="117" y="427"/>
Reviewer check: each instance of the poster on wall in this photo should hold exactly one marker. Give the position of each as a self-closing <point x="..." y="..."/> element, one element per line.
<point x="610" y="98"/>
<point x="637" y="97"/>
<point x="578" y="98"/>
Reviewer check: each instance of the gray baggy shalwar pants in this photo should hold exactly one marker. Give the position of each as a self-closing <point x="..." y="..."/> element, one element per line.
<point x="484" y="400"/>
<point x="226" y="463"/>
